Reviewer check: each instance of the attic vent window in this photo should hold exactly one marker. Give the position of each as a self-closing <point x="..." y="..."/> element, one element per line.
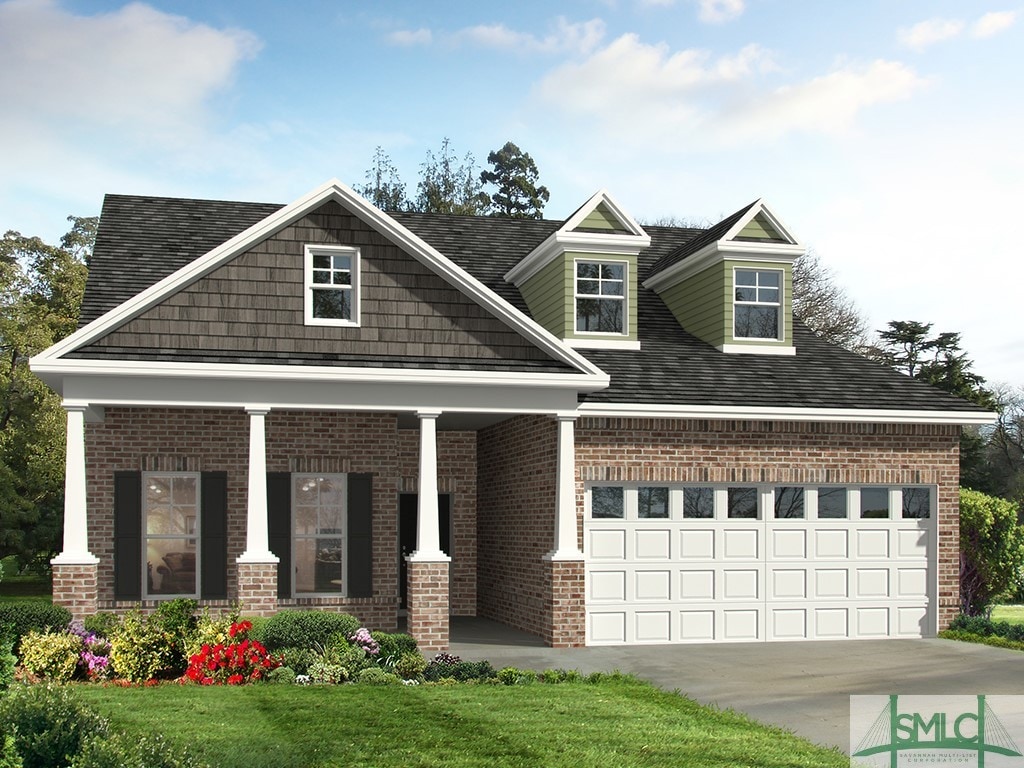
<point x="331" y="285"/>
<point x="600" y="297"/>
<point x="757" y="310"/>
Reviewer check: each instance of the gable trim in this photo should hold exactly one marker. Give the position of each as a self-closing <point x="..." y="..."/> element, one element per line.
<point x="332" y="190"/>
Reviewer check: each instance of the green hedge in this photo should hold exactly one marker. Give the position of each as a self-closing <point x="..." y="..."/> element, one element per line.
<point x="984" y="627"/>
<point x="23" y="616"/>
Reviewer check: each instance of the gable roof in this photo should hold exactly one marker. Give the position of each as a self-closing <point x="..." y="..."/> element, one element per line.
<point x="145" y="240"/>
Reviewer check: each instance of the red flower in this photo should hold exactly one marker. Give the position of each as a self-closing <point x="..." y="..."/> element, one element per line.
<point x="236" y="680"/>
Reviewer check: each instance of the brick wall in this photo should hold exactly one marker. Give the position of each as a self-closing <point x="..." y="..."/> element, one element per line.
<point x="792" y="453"/>
<point x="516" y="495"/>
<point x="428" y="605"/>
<point x="137" y="439"/>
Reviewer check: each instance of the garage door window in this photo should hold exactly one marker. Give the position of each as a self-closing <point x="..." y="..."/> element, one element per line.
<point x="743" y="503"/>
<point x="917" y="503"/>
<point x="698" y="503"/>
<point x="832" y="504"/>
<point x="874" y="503"/>
<point x="652" y="503"/>
<point x="607" y="503"/>
<point x="789" y="503"/>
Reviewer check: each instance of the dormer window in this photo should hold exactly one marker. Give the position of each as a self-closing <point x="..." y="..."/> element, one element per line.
<point x="757" y="309"/>
<point x="601" y="297"/>
<point x="332" y="285"/>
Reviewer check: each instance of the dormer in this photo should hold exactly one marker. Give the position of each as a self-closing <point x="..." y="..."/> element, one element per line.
<point x="732" y="286"/>
<point x="581" y="282"/>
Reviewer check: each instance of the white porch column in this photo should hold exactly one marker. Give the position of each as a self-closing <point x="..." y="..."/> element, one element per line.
<point x="76" y="527"/>
<point x="566" y="540"/>
<point x="257" y="544"/>
<point x="428" y="537"/>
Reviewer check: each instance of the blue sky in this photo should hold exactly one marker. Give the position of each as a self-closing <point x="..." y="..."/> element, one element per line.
<point x="886" y="134"/>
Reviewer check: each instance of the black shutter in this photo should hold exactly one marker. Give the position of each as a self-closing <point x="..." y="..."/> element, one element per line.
<point x="213" y="551"/>
<point x="128" y="535"/>
<point x="360" y="535"/>
<point x="279" y="527"/>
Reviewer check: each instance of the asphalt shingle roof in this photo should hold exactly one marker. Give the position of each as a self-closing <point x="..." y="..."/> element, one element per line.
<point x="143" y="239"/>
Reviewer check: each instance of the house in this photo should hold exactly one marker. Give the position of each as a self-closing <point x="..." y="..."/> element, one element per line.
<point x="593" y="431"/>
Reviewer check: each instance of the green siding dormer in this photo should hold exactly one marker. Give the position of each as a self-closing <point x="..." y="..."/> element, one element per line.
<point x="603" y="220"/>
<point x="760" y="229"/>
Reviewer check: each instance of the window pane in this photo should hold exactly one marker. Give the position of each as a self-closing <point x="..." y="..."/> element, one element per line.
<point x="588" y="287"/>
<point x="917" y="503"/>
<point x="342" y="278"/>
<point x="158" y="490"/>
<point x="768" y="279"/>
<point x="612" y="271"/>
<point x="746" y="277"/>
<point x="746" y="294"/>
<point x="332" y="304"/>
<point x="768" y="295"/>
<point x="305" y="520"/>
<point x="321" y="261"/>
<point x="607" y="503"/>
<point x="754" y="322"/>
<point x="789" y="502"/>
<point x="342" y="262"/>
<point x="171" y="566"/>
<point x="874" y="502"/>
<point x="183" y="490"/>
<point x="599" y="315"/>
<point x="591" y="271"/>
<point x="743" y="503"/>
<point x="321" y="277"/>
<point x="611" y="288"/>
<point x="652" y="503"/>
<point x="832" y="503"/>
<point x="698" y="503"/>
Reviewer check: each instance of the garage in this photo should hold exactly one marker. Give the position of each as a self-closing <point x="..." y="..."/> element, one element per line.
<point x="732" y="563"/>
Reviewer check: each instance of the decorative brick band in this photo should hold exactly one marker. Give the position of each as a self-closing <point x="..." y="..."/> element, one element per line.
<point x="428" y="605"/>
<point x="565" y="625"/>
<point x="76" y="588"/>
<point x="257" y="588"/>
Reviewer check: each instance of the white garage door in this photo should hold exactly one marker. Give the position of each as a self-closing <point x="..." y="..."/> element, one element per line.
<point x="670" y="564"/>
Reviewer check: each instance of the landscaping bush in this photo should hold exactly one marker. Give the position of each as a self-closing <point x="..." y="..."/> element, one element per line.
<point x="103" y="623"/>
<point x="410" y="665"/>
<point x="139" y="650"/>
<point x="8" y="661"/>
<point x="51" y="655"/>
<point x="985" y="627"/>
<point x="299" y="659"/>
<point x="282" y="675"/>
<point x="39" y="615"/>
<point x="211" y="630"/>
<point x="393" y="646"/>
<point x="557" y="676"/>
<point x="991" y="550"/>
<point x="377" y="676"/>
<point x="445" y="666"/>
<point x="176" y="619"/>
<point x="514" y="676"/>
<point x="49" y="724"/>
<point x="237" y="662"/>
<point x="306" y="629"/>
<point x="120" y="750"/>
<point x="325" y="673"/>
<point x="9" y="753"/>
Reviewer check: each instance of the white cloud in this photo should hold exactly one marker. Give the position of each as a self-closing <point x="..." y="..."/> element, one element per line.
<point x="420" y="36"/>
<point x="718" y="11"/>
<point x="580" y="37"/>
<point x="993" y="23"/>
<point x="135" y="69"/>
<point x="926" y="33"/>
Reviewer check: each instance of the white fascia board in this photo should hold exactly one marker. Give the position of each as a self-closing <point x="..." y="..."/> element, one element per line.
<point x="622" y="344"/>
<point x="779" y="348"/>
<point x="331" y="190"/>
<point x="712" y="253"/>
<point x="843" y="415"/>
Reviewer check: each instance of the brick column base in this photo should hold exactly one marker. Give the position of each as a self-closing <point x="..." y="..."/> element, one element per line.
<point x="428" y="605"/>
<point x="257" y="588"/>
<point x="565" y="626"/>
<point x="76" y="588"/>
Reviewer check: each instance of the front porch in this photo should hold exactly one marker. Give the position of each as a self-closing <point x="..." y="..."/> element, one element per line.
<point x="246" y="532"/>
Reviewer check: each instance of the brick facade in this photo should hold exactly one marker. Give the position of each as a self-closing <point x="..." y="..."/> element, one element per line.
<point x="428" y="605"/>
<point x="139" y="439"/>
<point x="76" y="588"/>
<point x="565" y="615"/>
<point x="257" y="588"/>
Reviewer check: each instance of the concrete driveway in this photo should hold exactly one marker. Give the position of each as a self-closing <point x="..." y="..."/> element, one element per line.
<point x="803" y="687"/>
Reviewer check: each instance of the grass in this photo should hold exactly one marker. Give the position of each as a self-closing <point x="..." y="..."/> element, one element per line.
<point x="621" y="722"/>
<point x="1014" y="614"/>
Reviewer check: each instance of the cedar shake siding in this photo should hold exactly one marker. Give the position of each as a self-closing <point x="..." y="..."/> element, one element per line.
<point x="785" y="453"/>
<point x="155" y="439"/>
<point x="250" y="310"/>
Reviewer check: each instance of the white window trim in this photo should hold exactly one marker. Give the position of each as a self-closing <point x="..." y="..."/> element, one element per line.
<point x="780" y="336"/>
<point x="341" y="478"/>
<point x="766" y="503"/>
<point x="146" y="595"/>
<point x="309" y="251"/>
<point x="576" y="296"/>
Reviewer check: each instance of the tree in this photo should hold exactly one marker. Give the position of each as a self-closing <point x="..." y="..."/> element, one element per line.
<point x="41" y="290"/>
<point x="991" y="550"/>
<point x="515" y="175"/>
<point x="448" y="186"/>
<point x="1004" y="449"/>
<point x="384" y="187"/>
<point x="823" y="305"/>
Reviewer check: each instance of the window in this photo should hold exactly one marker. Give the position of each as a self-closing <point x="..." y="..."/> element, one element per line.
<point x="832" y="504"/>
<point x="874" y="503"/>
<point x="789" y="502"/>
<point x="171" y="517"/>
<point x="319" y="543"/>
<point x="652" y="503"/>
<point x="743" y="503"/>
<point x="757" y="311"/>
<point x="601" y="297"/>
<point x="607" y="503"/>
<point x="917" y="503"/>
<point x="332" y="285"/>
<point x="699" y="503"/>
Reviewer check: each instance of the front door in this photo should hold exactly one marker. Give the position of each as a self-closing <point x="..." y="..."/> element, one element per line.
<point x="407" y="519"/>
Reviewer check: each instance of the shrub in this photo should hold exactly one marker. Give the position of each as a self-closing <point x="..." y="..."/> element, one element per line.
<point x="350" y="657"/>
<point x="176" y="620"/>
<point x="9" y="752"/>
<point x="239" y="662"/>
<point x="377" y="676"/>
<point x="991" y="549"/>
<point x="51" y="655"/>
<point x="123" y="750"/>
<point x="94" y="659"/>
<point x="103" y="623"/>
<point x="306" y="629"/>
<point x="8" y="661"/>
<point x="982" y="626"/>
<point x="443" y="667"/>
<point x="299" y="659"/>
<point x="362" y="639"/>
<point x="556" y="676"/>
<point x="410" y="666"/>
<point x="513" y="676"/>
<point x="393" y="645"/>
<point x="326" y="673"/>
<point x="39" y="615"/>
<point x="281" y="675"/>
<point x="139" y="650"/>
<point x="211" y="630"/>
<point x="49" y="724"/>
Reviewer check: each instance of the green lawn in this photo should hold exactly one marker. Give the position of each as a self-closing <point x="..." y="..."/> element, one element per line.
<point x="1011" y="613"/>
<point x="618" y="722"/>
